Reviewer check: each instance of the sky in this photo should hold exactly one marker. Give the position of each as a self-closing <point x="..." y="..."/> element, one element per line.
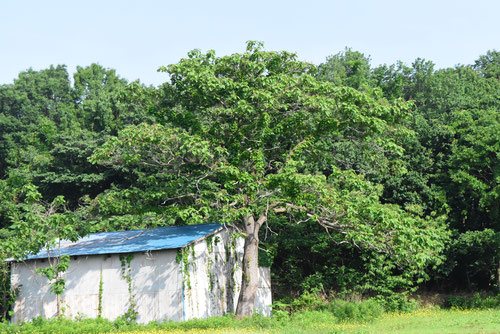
<point x="136" y="37"/>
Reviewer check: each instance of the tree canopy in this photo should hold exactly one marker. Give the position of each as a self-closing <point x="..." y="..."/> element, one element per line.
<point x="344" y="177"/>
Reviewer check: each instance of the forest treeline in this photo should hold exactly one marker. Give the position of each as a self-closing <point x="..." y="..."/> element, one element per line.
<point x="360" y="179"/>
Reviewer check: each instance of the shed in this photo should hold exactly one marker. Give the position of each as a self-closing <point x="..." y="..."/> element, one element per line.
<point x="166" y="273"/>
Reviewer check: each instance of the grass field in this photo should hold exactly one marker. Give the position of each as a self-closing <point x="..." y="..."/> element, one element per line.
<point x="431" y="321"/>
<point x="422" y="321"/>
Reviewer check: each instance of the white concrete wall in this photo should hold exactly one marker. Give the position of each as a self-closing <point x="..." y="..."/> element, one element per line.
<point x="264" y="300"/>
<point x="209" y="286"/>
<point x="34" y="298"/>
<point x="156" y="285"/>
<point x="215" y="275"/>
<point x="212" y="277"/>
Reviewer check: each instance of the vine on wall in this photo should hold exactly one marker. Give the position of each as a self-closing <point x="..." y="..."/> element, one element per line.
<point x="53" y="272"/>
<point x="229" y="258"/>
<point x="101" y="290"/>
<point x="183" y="259"/>
<point x="126" y="271"/>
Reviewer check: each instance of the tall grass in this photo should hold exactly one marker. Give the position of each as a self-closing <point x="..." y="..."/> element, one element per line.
<point x="476" y="301"/>
<point x="307" y="314"/>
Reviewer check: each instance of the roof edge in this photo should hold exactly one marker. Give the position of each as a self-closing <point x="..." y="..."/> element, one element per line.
<point x="34" y="258"/>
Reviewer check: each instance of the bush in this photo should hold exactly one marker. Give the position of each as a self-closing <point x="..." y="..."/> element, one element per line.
<point x="59" y="325"/>
<point x="94" y="326"/>
<point x="367" y="310"/>
<point x="476" y="301"/>
<point x="397" y="303"/>
<point x="309" y="303"/>
<point x="473" y="259"/>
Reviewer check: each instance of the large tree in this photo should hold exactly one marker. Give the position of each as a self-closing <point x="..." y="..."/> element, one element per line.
<point x="252" y="139"/>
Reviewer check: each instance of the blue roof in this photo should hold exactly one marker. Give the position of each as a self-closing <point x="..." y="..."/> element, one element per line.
<point x="132" y="241"/>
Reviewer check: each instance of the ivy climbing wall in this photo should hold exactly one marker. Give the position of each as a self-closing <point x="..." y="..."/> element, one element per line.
<point x="211" y="270"/>
<point x="200" y="280"/>
<point x="144" y="286"/>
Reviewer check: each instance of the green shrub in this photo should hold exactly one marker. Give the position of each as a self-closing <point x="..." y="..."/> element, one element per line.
<point x="364" y="310"/>
<point x="476" y="301"/>
<point x="281" y="311"/>
<point x="397" y="303"/>
<point x="313" y="283"/>
<point x="308" y="301"/>
<point x="60" y="326"/>
<point x="356" y="311"/>
<point x="473" y="259"/>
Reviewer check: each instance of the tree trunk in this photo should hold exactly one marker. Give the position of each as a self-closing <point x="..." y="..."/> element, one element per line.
<point x="250" y="277"/>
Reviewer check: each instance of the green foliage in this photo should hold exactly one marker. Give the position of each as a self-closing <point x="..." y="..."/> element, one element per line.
<point x="100" y="295"/>
<point x="342" y="310"/>
<point x="130" y="316"/>
<point x="311" y="321"/>
<point x="397" y="303"/>
<point x="475" y="168"/>
<point x="53" y="274"/>
<point x="363" y="176"/>
<point x="8" y="293"/>
<point x="476" y="301"/>
<point x="452" y="167"/>
<point x="347" y="68"/>
<point x="424" y="321"/>
<point x="308" y="301"/>
<point x="182" y="257"/>
<point x="473" y="258"/>
<point x="258" y="142"/>
<point x="372" y="263"/>
<point x="488" y="65"/>
<point x="350" y="311"/>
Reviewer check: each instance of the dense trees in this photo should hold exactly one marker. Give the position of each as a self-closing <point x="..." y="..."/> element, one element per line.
<point x="451" y="166"/>
<point x="346" y="177"/>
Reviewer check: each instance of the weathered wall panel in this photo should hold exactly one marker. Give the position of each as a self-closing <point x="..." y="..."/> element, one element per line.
<point x="264" y="297"/>
<point x="161" y="290"/>
<point x="215" y="275"/>
<point x="155" y="279"/>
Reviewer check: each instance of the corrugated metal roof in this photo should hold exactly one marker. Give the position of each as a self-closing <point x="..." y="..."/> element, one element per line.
<point x="132" y="241"/>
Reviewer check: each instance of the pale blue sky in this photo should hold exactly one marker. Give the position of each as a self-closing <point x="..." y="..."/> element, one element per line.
<point x="136" y="37"/>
